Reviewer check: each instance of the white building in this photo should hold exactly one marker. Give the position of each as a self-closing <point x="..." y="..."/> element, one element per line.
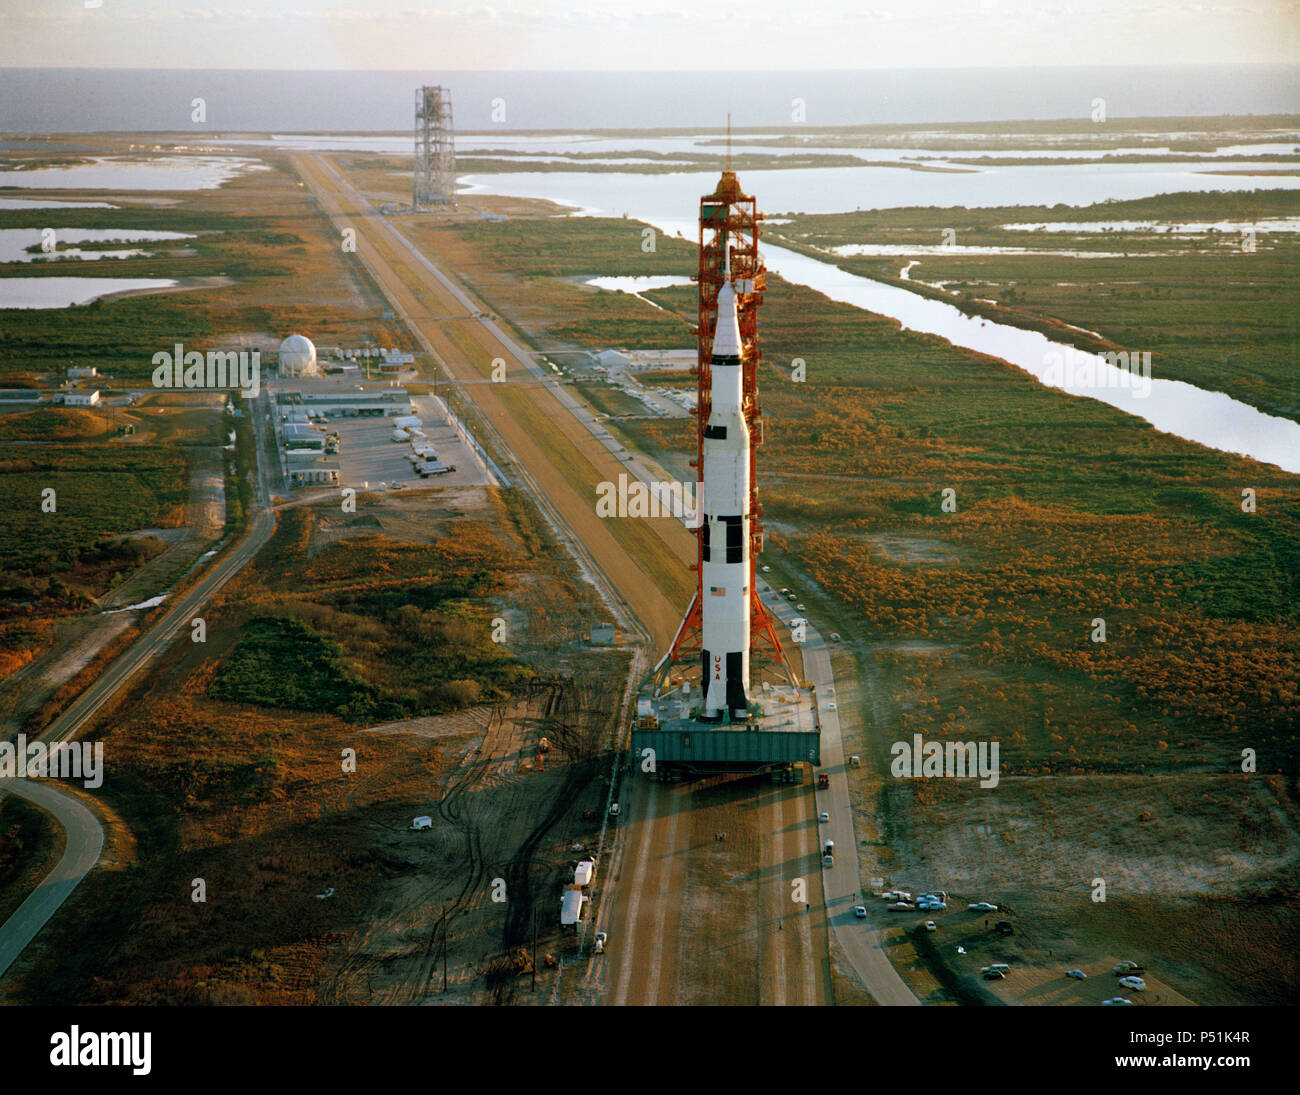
<point x="82" y="372"/>
<point x="82" y="399"/>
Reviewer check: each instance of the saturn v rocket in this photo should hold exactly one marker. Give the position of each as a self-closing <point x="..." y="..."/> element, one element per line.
<point x="725" y="524"/>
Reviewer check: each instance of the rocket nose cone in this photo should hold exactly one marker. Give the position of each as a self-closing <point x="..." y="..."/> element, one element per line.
<point x="726" y="337"/>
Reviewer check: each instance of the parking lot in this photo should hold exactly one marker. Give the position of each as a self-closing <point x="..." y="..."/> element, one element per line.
<point x="369" y="458"/>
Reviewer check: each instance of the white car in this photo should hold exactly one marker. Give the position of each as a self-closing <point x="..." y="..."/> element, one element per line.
<point x="823" y="816"/>
<point x="800" y="608"/>
<point x="1134" y="983"/>
<point x="601" y="939"/>
<point x="902" y="906"/>
<point x="613" y="807"/>
<point x="832" y="707"/>
<point x="982" y="906"/>
<point x="835" y="636"/>
<point x="931" y="926"/>
<point x="1116" y="1001"/>
<point x="860" y="911"/>
<point x="767" y="570"/>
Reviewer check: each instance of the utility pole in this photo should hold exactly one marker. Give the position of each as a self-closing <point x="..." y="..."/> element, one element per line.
<point x="534" y="948"/>
<point x="444" y="947"/>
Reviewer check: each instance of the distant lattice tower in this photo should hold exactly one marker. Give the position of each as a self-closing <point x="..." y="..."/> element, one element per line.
<point x="435" y="153"/>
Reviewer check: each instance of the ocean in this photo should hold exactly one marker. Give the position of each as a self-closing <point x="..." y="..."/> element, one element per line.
<point x="54" y="100"/>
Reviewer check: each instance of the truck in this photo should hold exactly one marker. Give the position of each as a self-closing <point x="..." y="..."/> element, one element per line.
<point x="823" y="781"/>
<point x="828" y="847"/>
<point x="426" y="469"/>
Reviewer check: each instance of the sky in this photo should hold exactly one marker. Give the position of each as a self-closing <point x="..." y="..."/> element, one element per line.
<point x="646" y="35"/>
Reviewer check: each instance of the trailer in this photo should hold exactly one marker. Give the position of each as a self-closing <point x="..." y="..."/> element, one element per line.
<point x="584" y="874"/>
<point x="571" y="904"/>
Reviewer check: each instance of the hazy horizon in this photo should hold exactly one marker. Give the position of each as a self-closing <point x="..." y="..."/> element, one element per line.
<point x="78" y="100"/>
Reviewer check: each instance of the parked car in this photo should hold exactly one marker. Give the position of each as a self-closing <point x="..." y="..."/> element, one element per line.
<point x="1078" y="975"/>
<point x="931" y="926"/>
<point x="982" y="906"/>
<point x="902" y="906"/>
<point x="860" y="911"/>
<point x="1003" y="927"/>
<point x="832" y="707"/>
<point x="613" y="808"/>
<point x="823" y="816"/>
<point x="1122" y="968"/>
<point x="997" y="967"/>
<point x="1134" y="983"/>
<point x="767" y="570"/>
<point x="835" y="636"/>
<point x="994" y="975"/>
<point x="1116" y="1001"/>
<point x="800" y="608"/>
<point x="601" y="939"/>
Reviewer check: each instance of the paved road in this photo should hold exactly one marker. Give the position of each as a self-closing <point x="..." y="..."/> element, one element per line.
<point x="85" y="841"/>
<point x="862" y="940"/>
<point x="85" y="836"/>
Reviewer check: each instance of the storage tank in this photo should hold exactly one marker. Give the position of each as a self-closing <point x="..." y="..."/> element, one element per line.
<point x="297" y="357"/>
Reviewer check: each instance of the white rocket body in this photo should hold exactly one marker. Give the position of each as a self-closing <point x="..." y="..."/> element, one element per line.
<point x="725" y="525"/>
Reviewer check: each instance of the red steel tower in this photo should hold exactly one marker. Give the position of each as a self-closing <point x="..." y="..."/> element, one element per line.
<point x="729" y="220"/>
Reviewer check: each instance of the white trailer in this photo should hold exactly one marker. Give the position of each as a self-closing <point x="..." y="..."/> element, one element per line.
<point x="584" y="874"/>
<point x="571" y="907"/>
